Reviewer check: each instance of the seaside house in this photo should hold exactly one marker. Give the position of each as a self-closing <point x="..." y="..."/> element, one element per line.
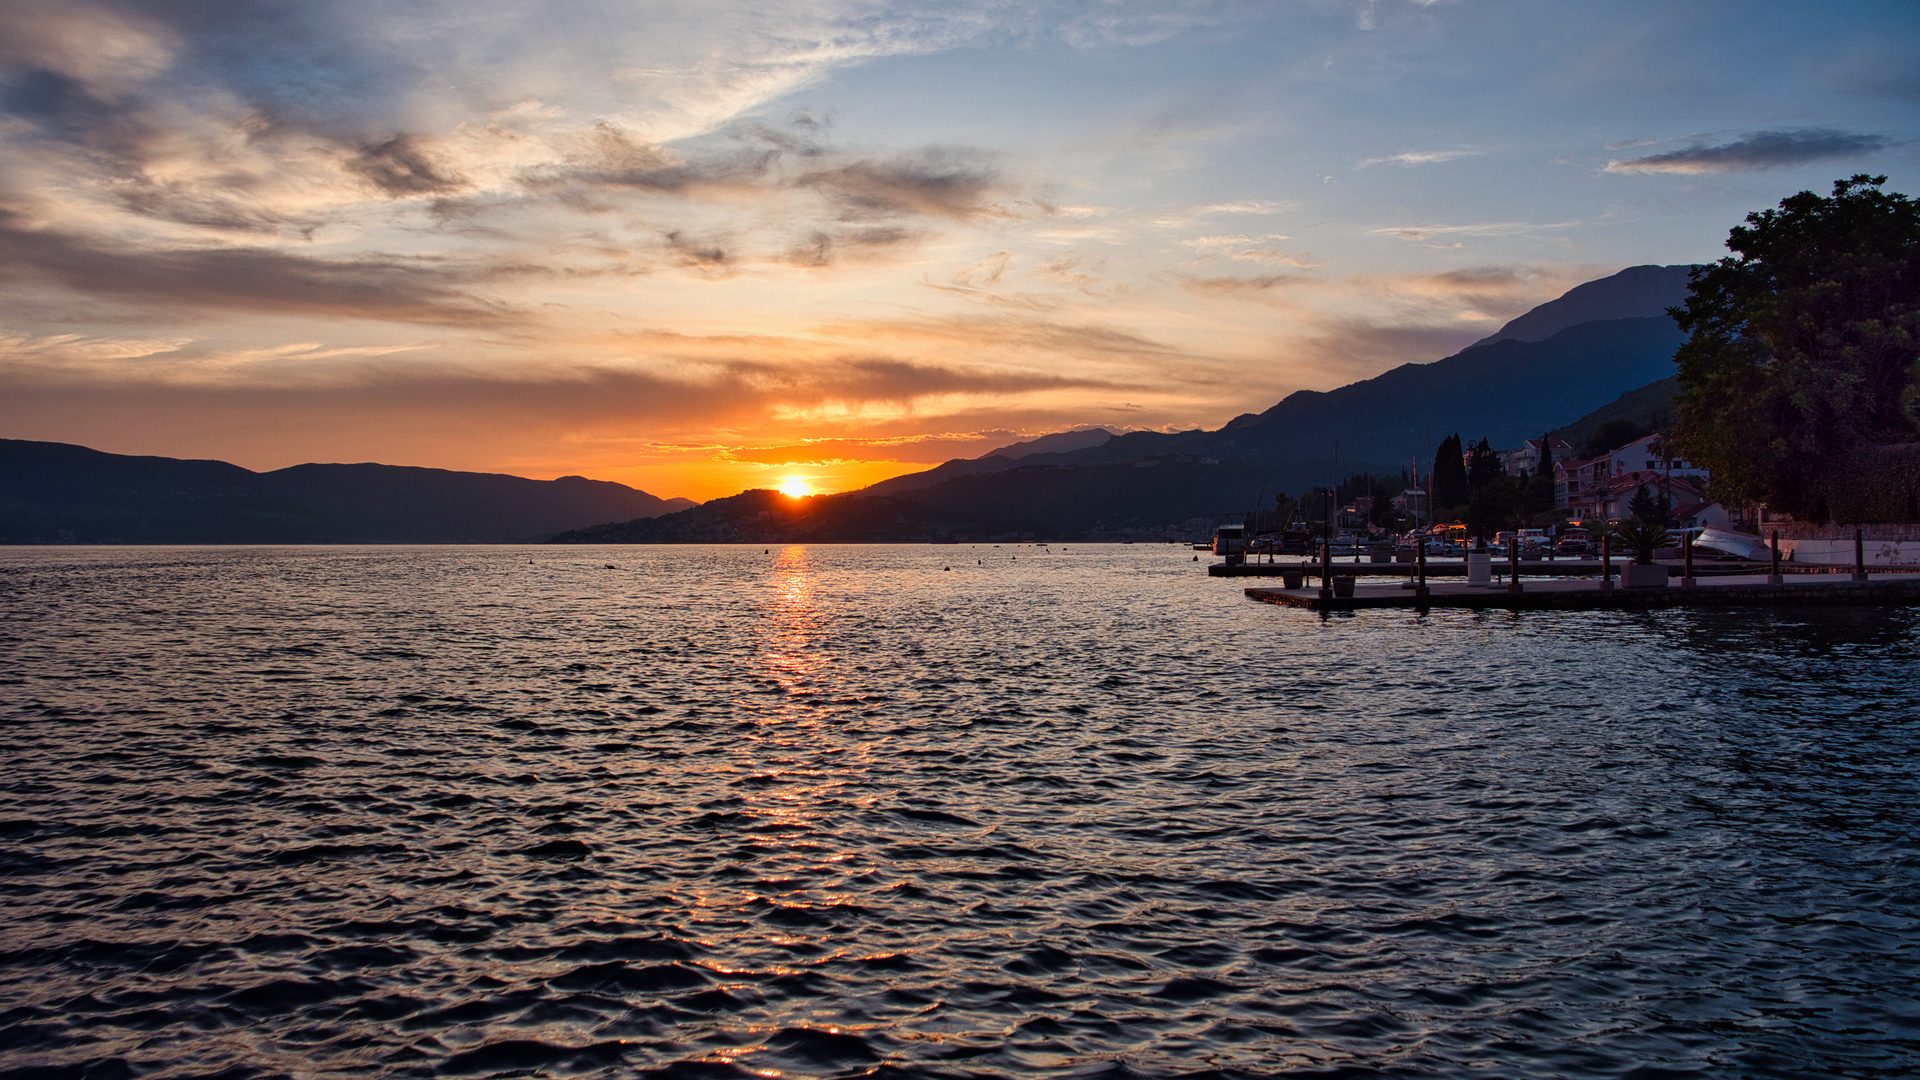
<point x="1525" y="458"/>
<point x="1581" y="487"/>
<point x="1575" y="484"/>
<point x="1649" y="454"/>
<point x="1354" y="514"/>
<point x="1613" y="498"/>
<point x="1710" y="515"/>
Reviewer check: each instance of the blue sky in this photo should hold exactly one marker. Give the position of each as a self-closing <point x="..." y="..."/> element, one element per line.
<point x="705" y="246"/>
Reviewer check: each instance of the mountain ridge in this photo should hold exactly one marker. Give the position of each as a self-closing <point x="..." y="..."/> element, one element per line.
<point x="1131" y="484"/>
<point x="1646" y="289"/>
<point x="59" y="492"/>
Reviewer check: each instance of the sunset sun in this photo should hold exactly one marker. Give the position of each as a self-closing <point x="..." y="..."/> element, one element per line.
<point x="795" y="488"/>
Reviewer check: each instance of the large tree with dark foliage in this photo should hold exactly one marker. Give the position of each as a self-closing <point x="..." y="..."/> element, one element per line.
<point x="1450" y="484"/>
<point x="1803" y="346"/>
<point x="1483" y="465"/>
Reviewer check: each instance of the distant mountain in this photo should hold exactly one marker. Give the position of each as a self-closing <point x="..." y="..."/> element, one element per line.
<point x="1553" y="366"/>
<point x="1635" y="292"/>
<point x="1128" y="501"/>
<point x="1506" y="389"/>
<point x="768" y="517"/>
<point x="1005" y="457"/>
<point x="1059" y="442"/>
<point x="1649" y="406"/>
<point x="55" y="492"/>
<point x="1504" y="392"/>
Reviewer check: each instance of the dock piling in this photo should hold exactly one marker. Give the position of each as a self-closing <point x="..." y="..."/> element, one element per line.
<point x="1513" y="564"/>
<point x="1773" y="575"/>
<point x="1686" y="549"/>
<point x="1606" y="562"/>
<point x="1859" y="555"/>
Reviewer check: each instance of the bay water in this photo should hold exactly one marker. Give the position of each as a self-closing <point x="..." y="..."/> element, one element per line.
<point x="965" y="810"/>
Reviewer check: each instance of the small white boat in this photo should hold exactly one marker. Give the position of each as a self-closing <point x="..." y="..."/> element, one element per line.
<point x="1738" y="544"/>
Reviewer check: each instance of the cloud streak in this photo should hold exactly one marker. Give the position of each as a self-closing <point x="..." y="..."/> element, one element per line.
<point x="1421" y="157"/>
<point x="1757" y="151"/>
<point x="246" y="280"/>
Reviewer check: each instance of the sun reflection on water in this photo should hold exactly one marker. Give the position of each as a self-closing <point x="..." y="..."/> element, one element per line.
<point x="793" y="630"/>
<point x="791" y="775"/>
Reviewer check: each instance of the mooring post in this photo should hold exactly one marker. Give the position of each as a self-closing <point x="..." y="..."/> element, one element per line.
<point x="1773" y="575"/>
<point x="1326" y="569"/>
<point x="1606" y="562"/>
<point x="1859" y="555"/>
<point x="1513" y="564"/>
<point x="1420" y="568"/>
<point x="1686" y="549"/>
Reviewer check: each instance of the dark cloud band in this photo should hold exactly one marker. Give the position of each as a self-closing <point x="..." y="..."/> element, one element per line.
<point x="1759" y="150"/>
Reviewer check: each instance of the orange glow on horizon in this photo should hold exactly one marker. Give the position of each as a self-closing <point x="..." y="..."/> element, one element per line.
<point x="705" y="477"/>
<point x="793" y="487"/>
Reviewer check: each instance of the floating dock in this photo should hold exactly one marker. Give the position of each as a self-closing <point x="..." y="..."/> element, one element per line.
<point x="1744" y="590"/>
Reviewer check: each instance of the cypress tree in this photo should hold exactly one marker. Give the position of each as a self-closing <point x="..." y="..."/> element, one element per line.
<point x="1450" y="486"/>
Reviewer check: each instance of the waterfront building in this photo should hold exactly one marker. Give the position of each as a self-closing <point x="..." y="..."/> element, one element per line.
<point x="1581" y="486"/>
<point x="1525" y="458"/>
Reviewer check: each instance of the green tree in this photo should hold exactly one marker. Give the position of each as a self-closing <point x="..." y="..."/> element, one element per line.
<point x="1644" y="537"/>
<point x="1803" y="345"/>
<point x="1648" y="507"/>
<point x="1496" y="505"/>
<point x="1450" y="485"/>
<point x="1483" y="465"/>
<point x="1611" y="436"/>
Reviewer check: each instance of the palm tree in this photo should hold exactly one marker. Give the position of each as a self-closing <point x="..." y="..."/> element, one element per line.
<point x="1643" y="537"/>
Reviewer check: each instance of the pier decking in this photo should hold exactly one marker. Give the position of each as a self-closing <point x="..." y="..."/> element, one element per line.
<point x="1741" y="590"/>
<point x="1458" y="568"/>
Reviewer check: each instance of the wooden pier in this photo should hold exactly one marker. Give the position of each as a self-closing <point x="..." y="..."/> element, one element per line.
<point x="1743" y="590"/>
<point x="1458" y="568"/>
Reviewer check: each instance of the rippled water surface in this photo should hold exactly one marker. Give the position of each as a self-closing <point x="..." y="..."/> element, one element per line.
<point x="823" y="811"/>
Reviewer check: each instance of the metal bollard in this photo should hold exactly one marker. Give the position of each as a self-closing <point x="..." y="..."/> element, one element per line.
<point x="1773" y="576"/>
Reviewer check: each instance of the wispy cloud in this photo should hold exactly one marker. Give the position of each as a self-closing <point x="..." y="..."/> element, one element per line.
<point x="1436" y="235"/>
<point x="246" y="279"/>
<point x="1756" y="151"/>
<point x="1419" y="157"/>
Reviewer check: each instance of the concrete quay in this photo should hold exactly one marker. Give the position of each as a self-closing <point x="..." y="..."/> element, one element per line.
<point x="1745" y="590"/>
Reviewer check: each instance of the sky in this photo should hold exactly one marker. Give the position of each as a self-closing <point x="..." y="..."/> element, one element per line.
<point x="699" y="246"/>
